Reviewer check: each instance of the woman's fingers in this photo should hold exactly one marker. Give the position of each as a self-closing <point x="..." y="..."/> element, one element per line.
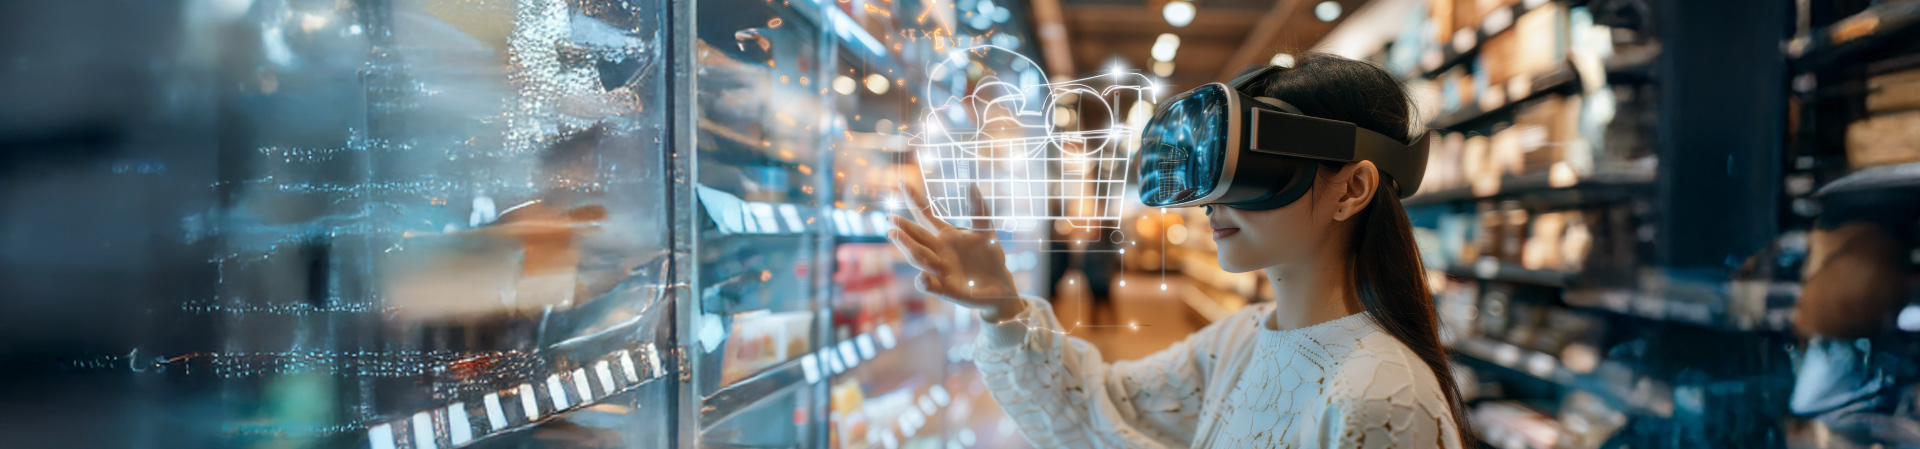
<point x="923" y="210"/>
<point x="977" y="207"/>
<point x="917" y="254"/>
<point x="930" y="284"/>
<point x="914" y="231"/>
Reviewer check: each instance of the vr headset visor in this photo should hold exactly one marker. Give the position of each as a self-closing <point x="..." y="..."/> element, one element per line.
<point x="1216" y="145"/>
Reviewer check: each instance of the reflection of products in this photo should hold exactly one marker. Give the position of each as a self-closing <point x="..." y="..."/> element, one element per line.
<point x="850" y="424"/>
<point x="761" y="339"/>
<point x="527" y="260"/>
<point x="1220" y="131"/>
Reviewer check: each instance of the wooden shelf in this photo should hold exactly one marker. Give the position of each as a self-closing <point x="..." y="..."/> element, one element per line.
<point x="1451" y="58"/>
<point x="1640" y="398"/>
<point x="1539" y="183"/>
<point x="1858" y="35"/>
<point x="1559" y="79"/>
<point x="1489" y="270"/>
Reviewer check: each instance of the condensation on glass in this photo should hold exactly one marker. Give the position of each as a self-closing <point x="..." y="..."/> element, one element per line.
<point x="303" y="223"/>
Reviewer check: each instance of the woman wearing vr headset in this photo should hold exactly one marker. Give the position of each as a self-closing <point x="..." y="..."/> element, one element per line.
<point x="1301" y="170"/>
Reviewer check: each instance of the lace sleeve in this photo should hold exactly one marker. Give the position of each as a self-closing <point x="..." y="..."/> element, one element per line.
<point x="1385" y="399"/>
<point x="1062" y="394"/>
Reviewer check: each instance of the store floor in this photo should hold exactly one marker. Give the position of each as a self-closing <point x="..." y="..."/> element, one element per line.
<point x="1161" y="317"/>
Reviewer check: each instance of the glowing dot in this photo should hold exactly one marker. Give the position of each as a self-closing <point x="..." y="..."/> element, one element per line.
<point x="1123" y="282"/>
<point x="1069" y="282"/>
<point x="1178" y="13"/>
<point x="844" y="85"/>
<point x="1282" y="59"/>
<point x="969" y="283"/>
<point x="1327" y="11"/>
<point x="1163" y="287"/>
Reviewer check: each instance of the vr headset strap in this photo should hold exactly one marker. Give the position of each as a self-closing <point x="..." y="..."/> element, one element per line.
<point x="1406" y="164"/>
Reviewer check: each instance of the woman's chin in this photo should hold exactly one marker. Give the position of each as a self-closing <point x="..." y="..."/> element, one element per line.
<point x="1230" y="265"/>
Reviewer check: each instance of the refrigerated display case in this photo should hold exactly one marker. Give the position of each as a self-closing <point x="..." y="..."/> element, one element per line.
<point x="801" y="134"/>
<point x="339" y="224"/>
<point x="519" y="223"/>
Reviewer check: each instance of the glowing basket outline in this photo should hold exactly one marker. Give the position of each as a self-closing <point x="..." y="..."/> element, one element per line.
<point x="1021" y="165"/>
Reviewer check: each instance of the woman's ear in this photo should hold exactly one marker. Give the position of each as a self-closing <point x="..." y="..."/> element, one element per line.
<point x="1362" y="178"/>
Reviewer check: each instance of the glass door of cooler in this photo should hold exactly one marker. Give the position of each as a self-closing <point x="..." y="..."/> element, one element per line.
<point x="387" y="224"/>
<point x="888" y="366"/>
<point x="760" y="183"/>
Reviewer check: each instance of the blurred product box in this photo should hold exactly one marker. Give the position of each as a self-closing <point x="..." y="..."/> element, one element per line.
<point x="1884" y="139"/>
<point x="1894" y="91"/>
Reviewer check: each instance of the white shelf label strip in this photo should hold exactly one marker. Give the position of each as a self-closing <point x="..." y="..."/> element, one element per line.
<point x="459" y="427"/>
<point x="496" y="418"/>
<point x="528" y="404"/>
<point x="605" y="373"/>
<point x="423" y="431"/>
<point x="810" y="365"/>
<point x="581" y="383"/>
<point x="557" y="392"/>
<point x="865" y="343"/>
<point x="380" y="436"/>
<point x="884" y="333"/>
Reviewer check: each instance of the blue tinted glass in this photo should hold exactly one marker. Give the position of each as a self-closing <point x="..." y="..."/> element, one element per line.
<point x="1183" y="147"/>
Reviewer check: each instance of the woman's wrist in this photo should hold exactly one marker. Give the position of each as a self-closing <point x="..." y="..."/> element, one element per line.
<point x="1004" y="311"/>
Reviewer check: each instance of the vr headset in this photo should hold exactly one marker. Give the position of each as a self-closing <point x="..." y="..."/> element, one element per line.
<point x="1216" y="145"/>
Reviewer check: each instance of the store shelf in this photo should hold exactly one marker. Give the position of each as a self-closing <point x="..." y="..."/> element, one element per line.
<point x="1498" y="271"/>
<point x="1532" y="363"/>
<point x="1617" y="383"/>
<point x="1484" y="30"/>
<point x="1601" y="183"/>
<point x="747" y="393"/>
<point x="1708" y="310"/>
<point x="1875" y="178"/>
<point x="1561" y="78"/>
<point x="1856" y="36"/>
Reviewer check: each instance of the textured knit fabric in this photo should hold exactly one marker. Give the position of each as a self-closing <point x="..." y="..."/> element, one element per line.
<point x="1233" y="384"/>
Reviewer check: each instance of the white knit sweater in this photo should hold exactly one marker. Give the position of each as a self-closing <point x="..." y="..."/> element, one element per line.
<point x="1233" y="384"/>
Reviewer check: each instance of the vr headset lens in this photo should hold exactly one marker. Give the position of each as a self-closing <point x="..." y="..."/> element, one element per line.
<point x="1183" y="149"/>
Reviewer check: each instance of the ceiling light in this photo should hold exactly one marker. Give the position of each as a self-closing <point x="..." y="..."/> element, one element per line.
<point x="1179" y="13"/>
<point x="1163" y="68"/>
<point x="877" y="84"/>
<point x="1327" y="11"/>
<point x="1165" y="47"/>
<point x="1282" y="59"/>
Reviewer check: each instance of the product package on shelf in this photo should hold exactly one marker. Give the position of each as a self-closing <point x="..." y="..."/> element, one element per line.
<point x="1894" y="91"/>
<point x="1883" y="139"/>
<point x="761" y="339"/>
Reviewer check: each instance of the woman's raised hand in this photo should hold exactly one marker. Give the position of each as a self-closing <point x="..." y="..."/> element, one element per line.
<point x="962" y="266"/>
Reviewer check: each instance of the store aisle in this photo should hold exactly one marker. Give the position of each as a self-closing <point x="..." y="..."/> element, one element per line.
<point x="1161" y="317"/>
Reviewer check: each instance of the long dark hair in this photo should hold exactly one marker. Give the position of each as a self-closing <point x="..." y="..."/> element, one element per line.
<point x="1387" y="273"/>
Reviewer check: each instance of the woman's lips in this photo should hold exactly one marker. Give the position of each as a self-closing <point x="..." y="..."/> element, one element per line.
<point x="1224" y="232"/>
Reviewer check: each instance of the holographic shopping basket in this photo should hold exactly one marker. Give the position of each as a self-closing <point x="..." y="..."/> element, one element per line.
<point x="1029" y="163"/>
